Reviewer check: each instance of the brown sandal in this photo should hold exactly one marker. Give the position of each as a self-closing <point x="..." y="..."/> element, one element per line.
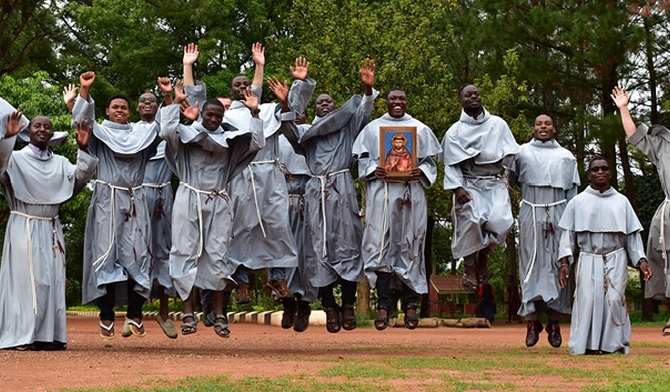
<point x="332" y="320"/>
<point x="411" y="319"/>
<point x="348" y="317"/>
<point x="382" y="320"/>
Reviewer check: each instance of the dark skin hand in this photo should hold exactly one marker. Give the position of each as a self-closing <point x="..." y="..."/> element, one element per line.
<point x="564" y="271"/>
<point x="462" y="196"/>
<point x="414" y="175"/>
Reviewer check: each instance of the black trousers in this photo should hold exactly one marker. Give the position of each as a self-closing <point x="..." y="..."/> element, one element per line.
<point x="384" y="295"/>
<point x="106" y="302"/>
<point x="348" y="294"/>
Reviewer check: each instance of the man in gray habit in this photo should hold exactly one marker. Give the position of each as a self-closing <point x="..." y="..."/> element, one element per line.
<point x="395" y="224"/>
<point x="474" y="151"/>
<point x="548" y="177"/>
<point x="118" y="232"/>
<point x="602" y="224"/>
<point x="36" y="182"/>
<point x="330" y="196"/>
<point x="654" y="142"/>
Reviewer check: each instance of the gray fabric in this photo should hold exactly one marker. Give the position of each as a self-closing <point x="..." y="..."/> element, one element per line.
<point x="327" y="146"/>
<point x="395" y="212"/>
<point x="262" y="230"/>
<point x="118" y="232"/>
<point x="599" y="317"/>
<point x="297" y="177"/>
<point x="202" y="209"/>
<point x="471" y="149"/>
<point x="159" y="197"/>
<point x="5" y="110"/>
<point x="547" y="174"/>
<point x="33" y="253"/>
<point x="655" y="143"/>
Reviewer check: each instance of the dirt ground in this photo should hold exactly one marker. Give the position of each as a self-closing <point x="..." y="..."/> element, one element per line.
<point x="252" y="350"/>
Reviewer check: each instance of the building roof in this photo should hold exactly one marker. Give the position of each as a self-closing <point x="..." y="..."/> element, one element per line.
<point x="448" y="284"/>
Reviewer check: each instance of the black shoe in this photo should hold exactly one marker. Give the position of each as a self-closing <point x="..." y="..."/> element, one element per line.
<point x="302" y="318"/>
<point x="554" y="331"/>
<point x="288" y="318"/>
<point x="533" y="333"/>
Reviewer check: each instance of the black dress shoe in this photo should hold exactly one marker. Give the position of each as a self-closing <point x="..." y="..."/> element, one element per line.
<point x="554" y="331"/>
<point x="533" y="333"/>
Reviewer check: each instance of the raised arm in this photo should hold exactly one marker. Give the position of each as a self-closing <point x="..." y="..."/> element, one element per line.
<point x="69" y="94"/>
<point x="166" y="89"/>
<point x="85" y="81"/>
<point x="258" y="54"/>
<point x="367" y="73"/>
<point x="190" y="57"/>
<point x="620" y="98"/>
<point x="280" y="91"/>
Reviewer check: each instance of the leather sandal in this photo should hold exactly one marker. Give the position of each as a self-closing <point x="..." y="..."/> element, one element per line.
<point x="382" y="320"/>
<point x="189" y="327"/>
<point x="411" y="319"/>
<point x="221" y="328"/>
<point x="332" y="320"/>
<point x="348" y="317"/>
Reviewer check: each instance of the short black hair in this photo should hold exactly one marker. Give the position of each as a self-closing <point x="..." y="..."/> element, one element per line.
<point x="460" y="90"/>
<point x="213" y="101"/>
<point x="395" y="89"/>
<point x="118" y="96"/>
<point x="596" y="157"/>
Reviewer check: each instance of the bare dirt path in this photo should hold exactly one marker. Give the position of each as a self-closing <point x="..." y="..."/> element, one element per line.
<point x="252" y="350"/>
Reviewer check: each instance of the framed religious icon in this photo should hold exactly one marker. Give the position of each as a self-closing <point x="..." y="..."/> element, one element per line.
<point x="397" y="147"/>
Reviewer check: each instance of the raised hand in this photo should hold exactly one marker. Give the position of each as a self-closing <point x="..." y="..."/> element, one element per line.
<point x="280" y="90"/>
<point x="301" y="68"/>
<point x="86" y="79"/>
<point x="83" y="132"/>
<point x="165" y="84"/>
<point x="13" y="124"/>
<point x="179" y="94"/>
<point x="69" y="94"/>
<point x="250" y="99"/>
<point x="620" y="97"/>
<point x="258" y="54"/>
<point x="367" y="72"/>
<point x="188" y="111"/>
<point x="190" y="54"/>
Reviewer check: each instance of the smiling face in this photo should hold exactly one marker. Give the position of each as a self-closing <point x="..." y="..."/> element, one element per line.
<point x="118" y="111"/>
<point x="212" y="116"/>
<point x="147" y="106"/>
<point x="470" y="100"/>
<point x="238" y="86"/>
<point x="543" y="128"/>
<point x="324" y="105"/>
<point x="396" y="103"/>
<point x="40" y="132"/>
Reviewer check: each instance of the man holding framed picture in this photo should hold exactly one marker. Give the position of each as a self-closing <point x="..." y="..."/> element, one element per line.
<point x="395" y="159"/>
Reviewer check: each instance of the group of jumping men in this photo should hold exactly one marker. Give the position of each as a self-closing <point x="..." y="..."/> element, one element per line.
<point x="261" y="189"/>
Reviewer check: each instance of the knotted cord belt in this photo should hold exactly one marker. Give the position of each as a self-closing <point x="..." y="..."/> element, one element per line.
<point x="253" y="186"/>
<point x="56" y="245"/>
<point x="112" y="219"/>
<point x="210" y="195"/>
<point x="533" y="207"/>
<point x="323" y="180"/>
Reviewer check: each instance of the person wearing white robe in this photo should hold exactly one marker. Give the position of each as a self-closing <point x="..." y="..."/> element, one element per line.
<point x="548" y="177"/>
<point x="330" y="196"/>
<point x="118" y="233"/>
<point x="205" y="158"/>
<point x="395" y="212"/>
<point x="654" y="142"/>
<point x="36" y="182"/>
<point x="474" y="151"/>
<point x="601" y="224"/>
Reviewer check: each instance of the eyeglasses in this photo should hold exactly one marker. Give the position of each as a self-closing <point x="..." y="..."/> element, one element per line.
<point x="597" y="169"/>
<point x="145" y="99"/>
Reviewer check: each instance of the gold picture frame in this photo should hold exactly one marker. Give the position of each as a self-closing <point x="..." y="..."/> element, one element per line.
<point x="397" y="146"/>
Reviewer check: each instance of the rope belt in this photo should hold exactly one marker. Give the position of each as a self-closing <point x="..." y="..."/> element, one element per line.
<point x="606" y="279"/>
<point x="661" y="239"/>
<point x="253" y="186"/>
<point x="323" y="180"/>
<point x="155" y="186"/>
<point x="56" y="245"/>
<point x="210" y="195"/>
<point x="533" y="208"/>
<point x="112" y="218"/>
<point x="482" y="177"/>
